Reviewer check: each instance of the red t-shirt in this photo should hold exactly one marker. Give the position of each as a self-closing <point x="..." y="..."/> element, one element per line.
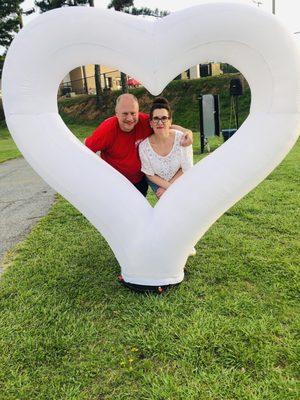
<point x="119" y="148"/>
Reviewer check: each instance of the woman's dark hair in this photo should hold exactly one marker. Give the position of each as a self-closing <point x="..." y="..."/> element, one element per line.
<point x="160" y="103"/>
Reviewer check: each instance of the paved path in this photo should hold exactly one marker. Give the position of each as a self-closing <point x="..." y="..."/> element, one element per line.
<point x="24" y="199"/>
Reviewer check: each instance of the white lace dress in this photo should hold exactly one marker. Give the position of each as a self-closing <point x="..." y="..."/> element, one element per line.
<point x="166" y="166"/>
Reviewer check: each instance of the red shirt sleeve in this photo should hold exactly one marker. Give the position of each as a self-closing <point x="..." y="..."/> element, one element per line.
<point x="103" y="136"/>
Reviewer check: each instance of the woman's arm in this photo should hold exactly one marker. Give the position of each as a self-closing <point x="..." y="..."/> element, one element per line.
<point x="187" y="138"/>
<point x="162" y="182"/>
<point x="186" y="158"/>
<point x="159" y="181"/>
<point x="176" y="176"/>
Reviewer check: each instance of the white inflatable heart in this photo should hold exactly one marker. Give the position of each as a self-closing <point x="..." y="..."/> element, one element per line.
<point x="152" y="244"/>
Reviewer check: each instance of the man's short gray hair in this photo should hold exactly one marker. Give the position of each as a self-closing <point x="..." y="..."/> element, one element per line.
<point x="129" y="95"/>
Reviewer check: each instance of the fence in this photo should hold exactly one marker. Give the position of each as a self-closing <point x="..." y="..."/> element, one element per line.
<point x="87" y="84"/>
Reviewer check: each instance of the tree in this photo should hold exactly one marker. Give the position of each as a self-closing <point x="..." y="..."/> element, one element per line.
<point x="1" y="63"/>
<point x="10" y="20"/>
<point x="120" y="5"/>
<point x="147" y="11"/>
<point x="47" y="5"/>
<point x="127" y="6"/>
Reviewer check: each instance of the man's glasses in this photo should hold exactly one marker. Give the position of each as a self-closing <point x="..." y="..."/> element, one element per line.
<point x="163" y="119"/>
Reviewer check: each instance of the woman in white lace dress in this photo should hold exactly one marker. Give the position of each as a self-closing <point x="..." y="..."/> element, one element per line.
<point x="162" y="157"/>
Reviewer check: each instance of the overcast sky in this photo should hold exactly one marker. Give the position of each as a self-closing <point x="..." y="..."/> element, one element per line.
<point x="287" y="10"/>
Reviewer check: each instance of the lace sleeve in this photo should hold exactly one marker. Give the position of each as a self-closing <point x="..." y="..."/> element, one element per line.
<point x="145" y="162"/>
<point x="186" y="158"/>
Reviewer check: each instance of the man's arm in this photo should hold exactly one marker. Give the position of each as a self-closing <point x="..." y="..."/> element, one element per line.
<point x="101" y="138"/>
<point x="187" y="138"/>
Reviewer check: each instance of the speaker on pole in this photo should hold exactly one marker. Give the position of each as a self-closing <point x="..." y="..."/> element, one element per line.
<point x="236" y="87"/>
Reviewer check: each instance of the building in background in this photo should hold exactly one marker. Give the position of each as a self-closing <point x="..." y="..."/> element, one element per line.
<point x="81" y="80"/>
<point x="201" y="71"/>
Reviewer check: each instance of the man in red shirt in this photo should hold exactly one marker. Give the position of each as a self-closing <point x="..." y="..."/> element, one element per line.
<point x="118" y="137"/>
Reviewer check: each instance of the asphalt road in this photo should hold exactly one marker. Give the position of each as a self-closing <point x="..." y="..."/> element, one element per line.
<point x="24" y="199"/>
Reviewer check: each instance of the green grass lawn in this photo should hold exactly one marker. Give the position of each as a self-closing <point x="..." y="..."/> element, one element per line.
<point x="8" y="149"/>
<point x="68" y="330"/>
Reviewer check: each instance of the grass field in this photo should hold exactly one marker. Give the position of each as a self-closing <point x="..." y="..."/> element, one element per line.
<point x="8" y="149"/>
<point x="68" y="330"/>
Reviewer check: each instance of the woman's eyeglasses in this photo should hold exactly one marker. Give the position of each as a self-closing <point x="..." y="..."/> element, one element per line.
<point x="163" y="119"/>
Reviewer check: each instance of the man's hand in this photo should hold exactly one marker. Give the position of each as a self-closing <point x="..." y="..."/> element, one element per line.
<point x="160" y="191"/>
<point x="187" y="138"/>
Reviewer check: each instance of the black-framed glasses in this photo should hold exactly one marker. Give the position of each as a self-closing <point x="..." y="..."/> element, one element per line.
<point x="163" y="119"/>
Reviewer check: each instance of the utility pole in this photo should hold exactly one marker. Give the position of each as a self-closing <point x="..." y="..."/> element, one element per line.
<point x="273" y="6"/>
